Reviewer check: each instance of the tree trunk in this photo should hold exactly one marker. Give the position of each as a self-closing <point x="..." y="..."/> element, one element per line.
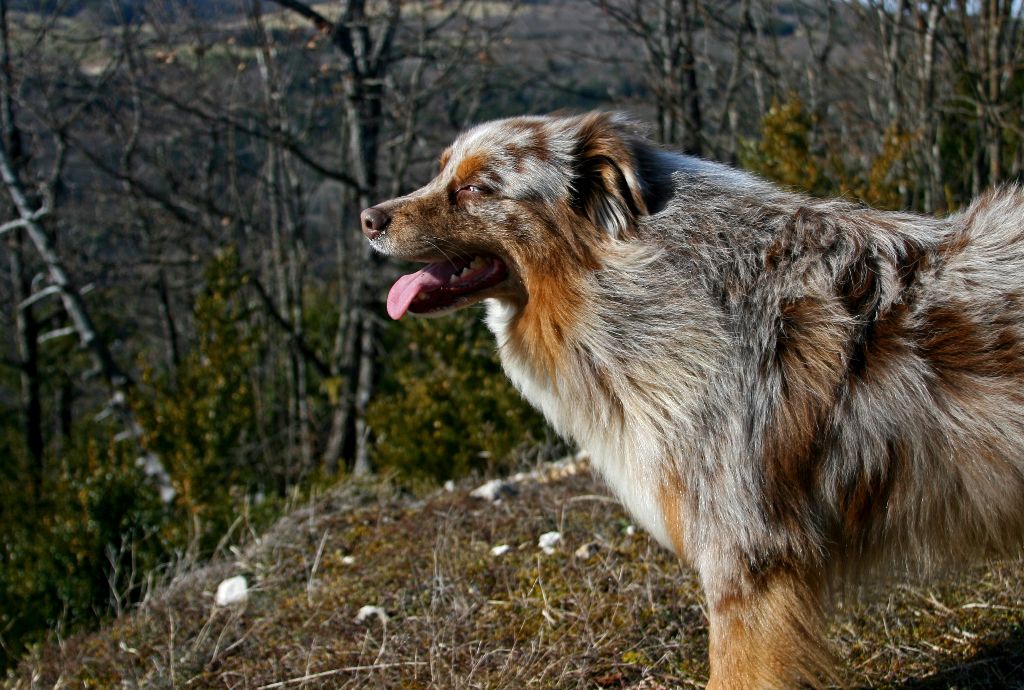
<point x="368" y="58"/>
<point x="27" y="330"/>
<point x="65" y="411"/>
<point x="287" y="252"/>
<point x="364" y="390"/>
<point x="170" y="327"/>
<point x="75" y="307"/>
<point x="933" y="198"/>
<point x="344" y="346"/>
<point x="693" y="138"/>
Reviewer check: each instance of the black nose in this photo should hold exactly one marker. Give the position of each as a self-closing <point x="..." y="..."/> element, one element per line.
<point x="374" y="221"/>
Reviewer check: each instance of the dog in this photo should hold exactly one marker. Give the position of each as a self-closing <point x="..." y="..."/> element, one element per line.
<point x="790" y="393"/>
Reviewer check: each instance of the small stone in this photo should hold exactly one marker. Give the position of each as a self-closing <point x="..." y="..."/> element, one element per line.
<point x="548" y="541"/>
<point x="233" y="590"/>
<point x="588" y="551"/>
<point x="370" y="611"/>
<point x="493" y="490"/>
<point x="500" y="550"/>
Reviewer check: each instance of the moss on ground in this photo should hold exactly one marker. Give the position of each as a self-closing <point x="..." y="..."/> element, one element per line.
<point x="457" y="616"/>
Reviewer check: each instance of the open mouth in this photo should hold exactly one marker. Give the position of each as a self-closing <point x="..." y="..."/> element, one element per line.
<point x="444" y="285"/>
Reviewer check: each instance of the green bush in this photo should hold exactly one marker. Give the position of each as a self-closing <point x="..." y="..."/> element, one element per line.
<point x="784" y="153"/>
<point x="444" y="406"/>
<point x="83" y="550"/>
<point x="201" y="418"/>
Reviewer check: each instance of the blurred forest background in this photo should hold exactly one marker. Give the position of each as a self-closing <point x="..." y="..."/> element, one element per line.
<point x="191" y="327"/>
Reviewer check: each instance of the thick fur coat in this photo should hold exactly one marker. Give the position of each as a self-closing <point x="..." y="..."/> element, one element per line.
<point x="790" y="393"/>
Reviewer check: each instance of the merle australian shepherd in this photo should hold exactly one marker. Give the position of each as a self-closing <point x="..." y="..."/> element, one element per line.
<point x="790" y="393"/>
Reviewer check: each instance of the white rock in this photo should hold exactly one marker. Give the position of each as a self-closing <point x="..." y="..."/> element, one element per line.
<point x="493" y="490"/>
<point x="630" y="530"/>
<point x="369" y="611"/>
<point x="449" y="486"/>
<point x="233" y="590"/>
<point x="588" y="550"/>
<point x="500" y="550"/>
<point x="348" y="560"/>
<point x="548" y="541"/>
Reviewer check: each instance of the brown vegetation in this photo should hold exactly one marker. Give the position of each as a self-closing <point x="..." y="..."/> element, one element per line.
<point x="627" y="616"/>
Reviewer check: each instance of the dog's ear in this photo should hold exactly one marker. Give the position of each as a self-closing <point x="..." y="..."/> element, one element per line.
<point x="607" y="186"/>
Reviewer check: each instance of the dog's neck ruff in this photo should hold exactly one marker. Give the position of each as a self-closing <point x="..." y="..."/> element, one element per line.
<point x="619" y="420"/>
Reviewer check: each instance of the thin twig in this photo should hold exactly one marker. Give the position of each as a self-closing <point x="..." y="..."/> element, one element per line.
<point x="316" y="564"/>
<point x="338" y="671"/>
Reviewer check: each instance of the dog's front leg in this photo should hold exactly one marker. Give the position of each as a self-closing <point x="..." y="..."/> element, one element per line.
<point x="767" y="631"/>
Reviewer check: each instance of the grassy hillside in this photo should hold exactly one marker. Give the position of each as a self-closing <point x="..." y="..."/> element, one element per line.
<point x="622" y="615"/>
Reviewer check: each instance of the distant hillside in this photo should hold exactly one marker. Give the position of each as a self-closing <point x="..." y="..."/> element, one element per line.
<point x="117" y="11"/>
<point x="607" y="608"/>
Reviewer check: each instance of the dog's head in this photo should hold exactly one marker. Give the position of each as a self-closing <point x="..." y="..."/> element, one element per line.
<point x="516" y="201"/>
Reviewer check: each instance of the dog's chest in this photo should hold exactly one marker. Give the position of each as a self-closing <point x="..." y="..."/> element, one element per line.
<point x="629" y="463"/>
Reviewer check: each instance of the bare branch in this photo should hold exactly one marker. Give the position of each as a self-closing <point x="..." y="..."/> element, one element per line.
<point x="58" y="333"/>
<point x="75" y="307"/>
<point x="39" y="296"/>
<point x="284" y="324"/>
<point x="321" y="22"/>
<point x="16" y="224"/>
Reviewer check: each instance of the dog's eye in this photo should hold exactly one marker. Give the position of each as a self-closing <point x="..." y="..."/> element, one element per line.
<point x="468" y="192"/>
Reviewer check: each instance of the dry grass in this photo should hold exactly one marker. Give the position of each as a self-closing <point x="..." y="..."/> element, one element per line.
<point x="458" y="617"/>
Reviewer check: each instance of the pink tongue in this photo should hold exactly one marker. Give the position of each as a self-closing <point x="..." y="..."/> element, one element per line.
<point x="405" y="289"/>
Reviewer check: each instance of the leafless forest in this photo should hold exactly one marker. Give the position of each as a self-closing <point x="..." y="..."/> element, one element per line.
<point x="192" y="327"/>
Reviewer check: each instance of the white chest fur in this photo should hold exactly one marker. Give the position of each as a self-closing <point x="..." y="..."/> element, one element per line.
<point x="632" y="465"/>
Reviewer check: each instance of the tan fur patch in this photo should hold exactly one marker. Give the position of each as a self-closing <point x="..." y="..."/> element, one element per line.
<point x="446" y="156"/>
<point x="471" y="165"/>
<point x="539" y="331"/>
<point x="957" y="345"/>
<point x="553" y="277"/>
<point x="672" y="501"/>
<point x="769" y="637"/>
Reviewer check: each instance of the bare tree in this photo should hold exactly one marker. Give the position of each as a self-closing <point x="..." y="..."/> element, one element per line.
<point x="288" y="243"/>
<point x="26" y="326"/>
<point x="927" y="16"/>
<point x="667" y="30"/>
<point x="984" y="41"/>
<point x="364" y="37"/>
<point x="31" y="211"/>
